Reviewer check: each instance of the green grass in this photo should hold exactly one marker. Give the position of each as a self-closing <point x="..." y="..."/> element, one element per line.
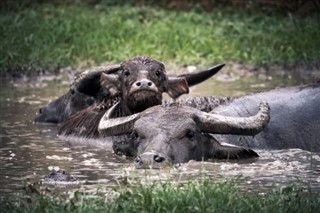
<point x="201" y="195"/>
<point x="48" y="35"/>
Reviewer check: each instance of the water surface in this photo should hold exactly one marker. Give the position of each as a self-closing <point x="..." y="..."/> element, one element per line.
<point x="28" y="151"/>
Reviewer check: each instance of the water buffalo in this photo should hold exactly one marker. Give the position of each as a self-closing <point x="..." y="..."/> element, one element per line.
<point x="163" y="134"/>
<point x="138" y="84"/>
<point x="84" y="91"/>
<point x="295" y="118"/>
<point x="176" y="134"/>
<point x="87" y="89"/>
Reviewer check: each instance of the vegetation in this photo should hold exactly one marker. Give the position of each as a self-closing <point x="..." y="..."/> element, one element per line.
<point x="52" y="35"/>
<point x="78" y="35"/>
<point x="201" y="195"/>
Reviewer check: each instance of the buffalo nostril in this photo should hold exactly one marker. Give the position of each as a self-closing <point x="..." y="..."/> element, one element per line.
<point x="149" y="84"/>
<point x="158" y="159"/>
<point x="40" y="110"/>
<point x="138" y="84"/>
<point x="138" y="159"/>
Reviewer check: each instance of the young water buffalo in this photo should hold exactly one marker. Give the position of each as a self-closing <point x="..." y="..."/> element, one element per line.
<point x="87" y="89"/>
<point x="176" y="134"/>
<point x="138" y="84"/>
<point x="84" y="91"/>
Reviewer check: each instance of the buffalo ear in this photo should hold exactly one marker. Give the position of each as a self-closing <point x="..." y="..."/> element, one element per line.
<point x="177" y="86"/>
<point x="228" y="151"/>
<point x="110" y="83"/>
<point x="88" y="82"/>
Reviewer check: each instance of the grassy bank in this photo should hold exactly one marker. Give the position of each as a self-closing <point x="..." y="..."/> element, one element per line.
<point x="77" y="35"/>
<point x="194" y="196"/>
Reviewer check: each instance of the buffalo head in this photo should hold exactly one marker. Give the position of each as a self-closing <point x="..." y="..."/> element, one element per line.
<point x="66" y="105"/>
<point x="140" y="83"/>
<point x="176" y="134"/>
<point x="84" y="91"/>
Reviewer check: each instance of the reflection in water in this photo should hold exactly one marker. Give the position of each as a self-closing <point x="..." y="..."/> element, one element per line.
<point x="275" y="167"/>
<point x="280" y="167"/>
<point x="28" y="150"/>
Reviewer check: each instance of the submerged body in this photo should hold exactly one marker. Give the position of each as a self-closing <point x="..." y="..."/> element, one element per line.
<point x="294" y="123"/>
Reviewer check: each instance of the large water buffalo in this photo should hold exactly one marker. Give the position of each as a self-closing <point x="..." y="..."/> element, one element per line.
<point x="87" y="89"/>
<point x="176" y="134"/>
<point x="295" y="118"/>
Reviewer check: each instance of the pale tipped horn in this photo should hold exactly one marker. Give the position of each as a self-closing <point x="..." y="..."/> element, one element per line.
<point x="220" y="124"/>
<point x="109" y="126"/>
<point x="198" y="77"/>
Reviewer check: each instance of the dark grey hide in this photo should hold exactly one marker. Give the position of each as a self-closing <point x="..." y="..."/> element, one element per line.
<point x="84" y="91"/>
<point x="294" y="123"/>
<point x="176" y="134"/>
<point x="87" y="89"/>
<point x="63" y="107"/>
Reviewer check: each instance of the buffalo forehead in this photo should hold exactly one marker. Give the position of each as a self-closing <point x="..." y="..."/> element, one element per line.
<point x="143" y="66"/>
<point x="171" y="123"/>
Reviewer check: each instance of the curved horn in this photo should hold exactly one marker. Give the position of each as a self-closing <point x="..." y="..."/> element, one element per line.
<point x="196" y="78"/>
<point x="88" y="82"/>
<point x="110" y="78"/>
<point x="110" y="84"/>
<point x="109" y="126"/>
<point x="219" y="124"/>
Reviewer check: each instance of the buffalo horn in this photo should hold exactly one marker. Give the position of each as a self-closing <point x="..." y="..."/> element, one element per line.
<point x="196" y="78"/>
<point x="109" y="126"/>
<point x="219" y="124"/>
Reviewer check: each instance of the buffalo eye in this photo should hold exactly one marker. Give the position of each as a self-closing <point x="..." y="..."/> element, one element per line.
<point x="158" y="72"/>
<point x="90" y="101"/>
<point x="72" y="92"/>
<point x="190" y="134"/>
<point x="126" y="73"/>
<point x="134" y="135"/>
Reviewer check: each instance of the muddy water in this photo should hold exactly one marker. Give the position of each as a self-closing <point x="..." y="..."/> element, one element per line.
<point x="28" y="151"/>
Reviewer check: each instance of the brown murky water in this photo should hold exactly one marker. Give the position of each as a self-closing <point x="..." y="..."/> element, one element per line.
<point x="27" y="151"/>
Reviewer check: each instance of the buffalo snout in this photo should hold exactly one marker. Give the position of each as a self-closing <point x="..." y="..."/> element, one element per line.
<point x="143" y="85"/>
<point x="150" y="160"/>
